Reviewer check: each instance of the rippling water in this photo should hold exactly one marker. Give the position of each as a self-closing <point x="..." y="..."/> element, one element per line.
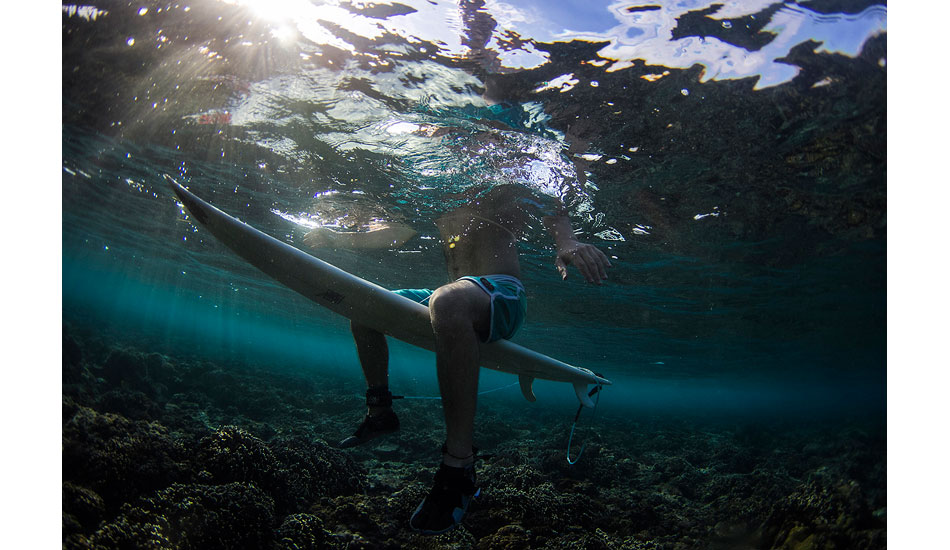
<point x="729" y="157"/>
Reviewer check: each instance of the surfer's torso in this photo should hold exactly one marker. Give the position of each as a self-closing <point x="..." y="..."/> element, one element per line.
<point x="481" y="236"/>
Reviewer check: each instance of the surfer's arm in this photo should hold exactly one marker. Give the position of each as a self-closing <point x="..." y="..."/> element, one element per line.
<point x="382" y="235"/>
<point x="587" y="258"/>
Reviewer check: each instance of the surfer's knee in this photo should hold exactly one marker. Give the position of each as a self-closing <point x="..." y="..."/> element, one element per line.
<point x="455" y="307"/>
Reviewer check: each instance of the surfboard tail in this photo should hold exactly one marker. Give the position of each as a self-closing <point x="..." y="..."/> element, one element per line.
<point x="580" y="389"/>
<point x="527" y="390"/>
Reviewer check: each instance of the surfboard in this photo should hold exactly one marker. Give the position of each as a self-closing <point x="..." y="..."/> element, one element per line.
<point x="369" y="304"/>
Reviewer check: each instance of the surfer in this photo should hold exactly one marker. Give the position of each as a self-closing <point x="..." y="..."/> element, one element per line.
<point x="484" y="302"/>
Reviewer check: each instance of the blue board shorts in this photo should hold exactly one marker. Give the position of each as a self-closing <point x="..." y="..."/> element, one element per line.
<point x="509" y="304"/>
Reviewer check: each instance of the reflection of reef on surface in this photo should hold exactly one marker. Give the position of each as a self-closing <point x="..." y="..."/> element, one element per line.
<point x="169" y="452"/>
<point x="806" y="157"/>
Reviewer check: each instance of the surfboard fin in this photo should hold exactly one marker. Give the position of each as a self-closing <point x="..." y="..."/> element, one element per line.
<point x="526" y="390"/>
<point x="583" y="396"/>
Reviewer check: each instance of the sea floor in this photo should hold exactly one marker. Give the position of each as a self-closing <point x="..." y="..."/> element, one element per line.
<point x="175" y="452"/>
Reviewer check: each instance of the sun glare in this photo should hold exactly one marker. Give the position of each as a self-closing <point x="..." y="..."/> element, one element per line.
<point x="275" y="10"/>
<point x="284" y="33"/>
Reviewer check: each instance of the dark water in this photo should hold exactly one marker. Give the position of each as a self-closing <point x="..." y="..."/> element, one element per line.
<point x="730" y="158"/>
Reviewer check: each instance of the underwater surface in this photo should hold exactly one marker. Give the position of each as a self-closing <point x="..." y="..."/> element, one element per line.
<point x="728" y="157"/>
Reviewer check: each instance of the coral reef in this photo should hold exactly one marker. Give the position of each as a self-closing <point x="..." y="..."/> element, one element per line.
<point x="192" y="517"/>
<point x="181" y="453"/>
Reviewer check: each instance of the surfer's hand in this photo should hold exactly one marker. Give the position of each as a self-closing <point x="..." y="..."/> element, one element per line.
<point x="588" y="259"/>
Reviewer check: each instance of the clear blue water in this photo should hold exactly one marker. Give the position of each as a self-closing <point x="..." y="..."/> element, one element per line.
<point x="730" y="160"/>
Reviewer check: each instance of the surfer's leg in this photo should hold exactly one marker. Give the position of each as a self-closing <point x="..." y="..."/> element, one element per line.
<point x="460" y="314"/>
<point x="374" y="358"/>
<point x="373" y="352"/>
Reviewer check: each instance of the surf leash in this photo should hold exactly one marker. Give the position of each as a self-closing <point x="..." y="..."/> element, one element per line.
<point x="594" y="391"/>
<point x="439" y="397"/>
